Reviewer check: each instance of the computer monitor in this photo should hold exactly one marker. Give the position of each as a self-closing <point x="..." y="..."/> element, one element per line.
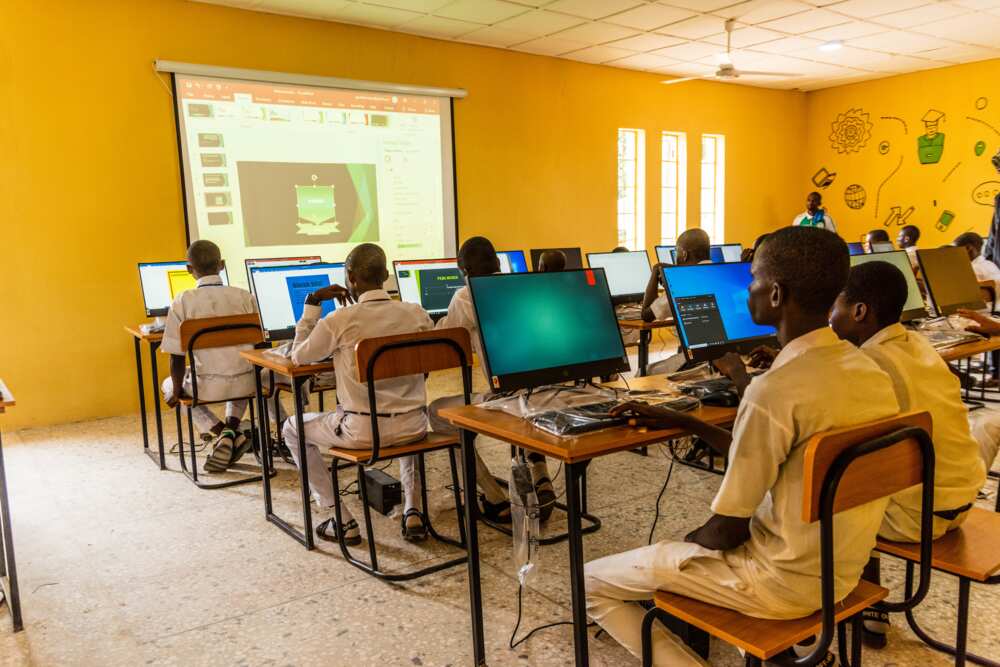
<point x="857" y="248"/>
<point x="277" y="261"/>
<point x="429" y="282"/>
<point x="574" y="258"/>
<point x="915" y="308"/>
<point x="725" y="252"/>
<point x="512" y="261"/>
<point x="161" y="282"/>
<point x="709" y="302"/>
<point x="950" y="280"/>
<point x="281" y="292"/>
<point x="665" y="254"/>
<point x="627" y="273"/>
<point x="542" y="328"/>
<point x="882" y="246"/>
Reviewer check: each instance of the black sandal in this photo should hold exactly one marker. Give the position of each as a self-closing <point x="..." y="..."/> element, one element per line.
<point x="414" y="533"/>
<point x="873" y="638"/>
<point x="496" y="512"/>
<point x="330" y="531"/>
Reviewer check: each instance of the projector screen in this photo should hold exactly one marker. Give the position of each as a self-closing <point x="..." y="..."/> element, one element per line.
<point x="275" y="169"/>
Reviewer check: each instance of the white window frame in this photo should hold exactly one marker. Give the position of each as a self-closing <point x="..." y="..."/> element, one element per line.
<point x="713" y="160"/>
<point x="673" y="191"/>
<point x="631" y="207"/>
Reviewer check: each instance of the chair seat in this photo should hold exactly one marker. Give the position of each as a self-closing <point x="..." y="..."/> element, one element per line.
<point x="762" y="637"/>
<point x="431" y="442"/>
<point x="187" y="401"/>
<point x="972" y="550"/>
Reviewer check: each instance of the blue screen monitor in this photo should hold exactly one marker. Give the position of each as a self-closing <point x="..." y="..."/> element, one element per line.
<point x="544" y="328"/>
<point x="856" y="248"/>
<point x="512" y="261"/>
<point x="709" y="302"/>
<point x="665" y="254"/>
<point x="725" y="252"/>
<point x="281" y="293"/>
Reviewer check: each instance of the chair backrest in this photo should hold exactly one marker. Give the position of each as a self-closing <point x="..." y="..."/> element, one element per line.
<point x="870" y="477"/>
<point x="209" y="332"/>
<point x="413" y="353"/>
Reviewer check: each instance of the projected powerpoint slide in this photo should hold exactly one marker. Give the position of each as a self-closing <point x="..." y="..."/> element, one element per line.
<point x="287" y="204"/>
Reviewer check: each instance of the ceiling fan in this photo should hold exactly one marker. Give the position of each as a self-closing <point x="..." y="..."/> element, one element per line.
<point x="726" y="68"/>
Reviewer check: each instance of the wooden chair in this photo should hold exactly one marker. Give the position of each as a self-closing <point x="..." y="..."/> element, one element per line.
<point x="971" y="552"/>
<point x="206" y="333"/>
<point x="398" y="356"/>
<point x="842" y="469"/>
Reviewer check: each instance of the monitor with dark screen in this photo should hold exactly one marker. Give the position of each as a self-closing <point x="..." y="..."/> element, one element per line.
<point x="950" y="280"/>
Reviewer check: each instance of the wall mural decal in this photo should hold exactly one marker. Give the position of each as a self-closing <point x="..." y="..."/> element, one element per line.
<point x="897" y="216"/>
<point x="906" y="130"/>
<point x="981" y="103"/>
<point x="984" y="193"/>
<point x="850" y="132"/>
<point x="944" y="220"/>
<point x="980" y="148"/>
<point x="951" y="171"/>
<point x="878" y="193"/>
<point x="883" y="147"/>
<point x="823" y="179"/>
<point x="983" y="122"/>
<point x="930" y="145"/>
<point x="855" y="196"/>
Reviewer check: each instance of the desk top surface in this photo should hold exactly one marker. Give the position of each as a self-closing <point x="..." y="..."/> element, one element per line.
<point x="283" y="365"/>
<point x="519" y="432"/>
<point x="137" y="333"/>
<point x="6" y="398"/>
<point x="971" y="349"/>
<point x="640" y="324"/>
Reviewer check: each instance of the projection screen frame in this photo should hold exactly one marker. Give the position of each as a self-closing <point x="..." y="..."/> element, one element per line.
<point x="193" y="69"/>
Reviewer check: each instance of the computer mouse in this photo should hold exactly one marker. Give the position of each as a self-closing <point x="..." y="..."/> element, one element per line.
<point x="722" y="399"/>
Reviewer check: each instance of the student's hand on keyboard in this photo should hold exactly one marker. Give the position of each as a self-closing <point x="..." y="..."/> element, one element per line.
<point x="984" y="326"/>
<point x="337" y="292"/>
<point x="763" y="357"/>
<point x="641" y="414"/>
<point x="731" y="365"/>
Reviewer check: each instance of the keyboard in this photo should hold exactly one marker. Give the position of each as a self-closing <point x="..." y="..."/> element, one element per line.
<point x="595" y="416"/>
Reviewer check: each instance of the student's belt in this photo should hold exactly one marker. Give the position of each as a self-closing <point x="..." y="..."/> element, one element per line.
<point x="951" y="515"/>
<point x="385" y="414"/>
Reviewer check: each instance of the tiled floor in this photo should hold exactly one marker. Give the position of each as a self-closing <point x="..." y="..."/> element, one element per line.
<point x="121" y="564"/>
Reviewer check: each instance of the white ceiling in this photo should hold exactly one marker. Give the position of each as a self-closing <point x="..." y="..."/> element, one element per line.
<point x="686" y="37"/>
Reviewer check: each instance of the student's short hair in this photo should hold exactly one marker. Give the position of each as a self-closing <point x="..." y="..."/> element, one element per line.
<point x="760" y="239"/>
<point x="969" y="238"/>
<point x="553" y="260"/>
<point x="367" y="262"/>
<point x="879" y="236"/>
<point x="912" y="231"/>
<point x="880" y="286"/>
<point x="818" y="195"/>
<point x="204" y="256"/>
<point x="810" y="263"/>
<point x="695" y="241"/>
<point x="478" y="254"/>
<point x="621" y="248"/>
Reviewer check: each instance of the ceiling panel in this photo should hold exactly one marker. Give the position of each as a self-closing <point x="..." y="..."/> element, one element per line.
<point x="688" y="37"/>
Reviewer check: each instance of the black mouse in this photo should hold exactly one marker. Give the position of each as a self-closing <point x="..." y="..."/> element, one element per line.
<point x="723" y="399"/>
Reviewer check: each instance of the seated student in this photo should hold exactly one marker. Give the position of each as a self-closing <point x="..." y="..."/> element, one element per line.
<point x="477" y="257"/>
<point x="907" y="240"/>
<point x="867" y="314"/>
<point x="222" y="373"/>
<point x="984" y="268"/>
<point x="985" y="423"/>
<point x="876" y="236"/>
<point x="402" y="402"/>
<point x="755" y="554"/>
<point x="551" y="260"/>
<point x="748" y="253"/>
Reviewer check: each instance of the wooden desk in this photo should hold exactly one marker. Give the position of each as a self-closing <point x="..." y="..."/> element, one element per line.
<point x="8" y="569"/>
<point x="645" y="337"/>
<point x="297" y="375"/>
<point x="967" y="350"/>
<point x="575" y="453"/>
<point x="153" y="340"/>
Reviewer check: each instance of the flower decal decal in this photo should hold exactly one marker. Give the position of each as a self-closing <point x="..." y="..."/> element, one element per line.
<point x="851" y="131"/>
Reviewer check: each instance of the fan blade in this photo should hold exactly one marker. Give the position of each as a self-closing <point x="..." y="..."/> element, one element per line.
<point x="683" y="79"/>
<point x="750" y="72"/>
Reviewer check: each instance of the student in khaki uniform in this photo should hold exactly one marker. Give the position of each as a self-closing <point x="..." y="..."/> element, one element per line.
<point x="401" y="402"/>
<point x="867" y="314"/>
<point x="477" y="257"/>
<point x="222" y="373"/>
<point x="755" y="554"/>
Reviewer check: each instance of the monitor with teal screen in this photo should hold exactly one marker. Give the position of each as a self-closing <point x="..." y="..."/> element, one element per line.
<point x="543" y="328"/>
<point x="709" y="302"/>
<point x="914" y="307"/>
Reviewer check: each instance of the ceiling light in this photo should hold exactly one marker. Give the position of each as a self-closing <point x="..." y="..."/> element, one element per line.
<point x="831" y="46"/>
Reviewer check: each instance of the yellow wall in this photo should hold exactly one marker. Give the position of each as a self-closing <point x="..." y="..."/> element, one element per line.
<point x="930" y="188"/>
<point x="89" y="175"/>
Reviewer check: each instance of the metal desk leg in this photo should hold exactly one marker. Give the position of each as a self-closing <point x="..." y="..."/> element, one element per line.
<point x="265" y="440"/>
<point x="12" y="594"/>
<point x="153" y="347"/>
<point x="472" y="535"/>
<point x="297" y="384"/>
<point x="142" y="396"/>
<point x="574" y="472"/>
<point x="645" y="335"/>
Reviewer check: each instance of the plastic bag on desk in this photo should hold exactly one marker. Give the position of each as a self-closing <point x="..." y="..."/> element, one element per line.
<point x="525" y="524"/>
